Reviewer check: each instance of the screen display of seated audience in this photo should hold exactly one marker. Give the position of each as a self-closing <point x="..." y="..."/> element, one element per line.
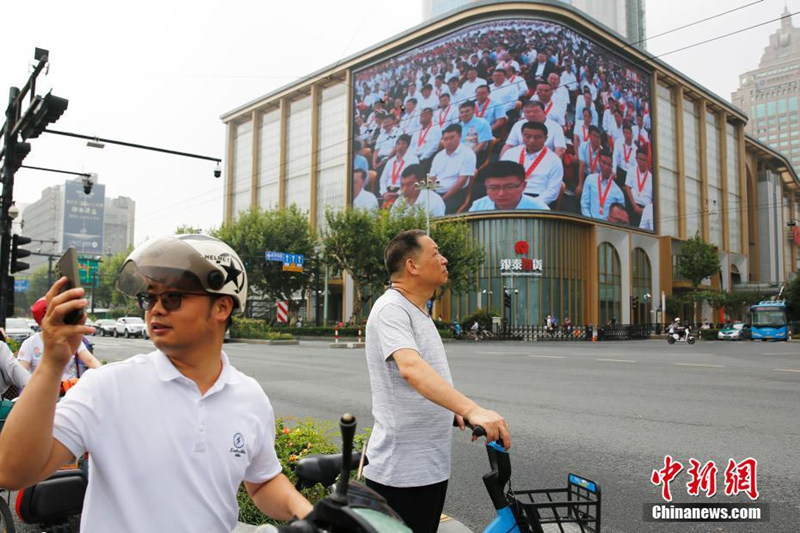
<point x="509" y="114"/>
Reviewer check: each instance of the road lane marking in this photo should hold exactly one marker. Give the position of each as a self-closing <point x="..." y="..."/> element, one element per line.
<point x="777" y="353"/>
<point x="616" y="360"/>
<point x="699" y="364"/>
<point x="547" y="356"/>
<point x="786" y="369"/>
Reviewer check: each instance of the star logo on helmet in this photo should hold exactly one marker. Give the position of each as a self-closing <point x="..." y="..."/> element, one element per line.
<point x="232" y="270"/>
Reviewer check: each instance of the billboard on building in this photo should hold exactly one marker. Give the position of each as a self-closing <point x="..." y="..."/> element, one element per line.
<point x="505" y="114"/>
<point x="83" y="217"/>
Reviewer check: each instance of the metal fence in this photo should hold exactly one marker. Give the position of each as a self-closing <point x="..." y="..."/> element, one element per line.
<point x="617" y="332"/>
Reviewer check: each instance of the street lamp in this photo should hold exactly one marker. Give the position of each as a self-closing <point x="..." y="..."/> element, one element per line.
<point x="428" y="185"/>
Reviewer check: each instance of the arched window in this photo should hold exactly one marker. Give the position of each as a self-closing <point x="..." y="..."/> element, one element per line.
<point x="610" y="298"/>
<point x="642" y="288"/>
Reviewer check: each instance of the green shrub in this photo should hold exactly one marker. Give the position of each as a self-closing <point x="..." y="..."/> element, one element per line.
<point x="14" y="345"/>
<point x="484" y="318"/>
<point x="709" y="334"/>
<point x="296" y="438"/>
<point x="251" y="328"/>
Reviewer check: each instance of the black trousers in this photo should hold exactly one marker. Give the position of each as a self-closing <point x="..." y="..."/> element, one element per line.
<point x="419" y="507"/>
<point x="453" y="203"/>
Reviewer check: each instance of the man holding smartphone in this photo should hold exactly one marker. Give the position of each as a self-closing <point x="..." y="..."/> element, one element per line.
<point x="179" y="421"/>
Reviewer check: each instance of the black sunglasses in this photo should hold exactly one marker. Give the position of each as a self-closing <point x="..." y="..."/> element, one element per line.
<point x="170" y="301"/>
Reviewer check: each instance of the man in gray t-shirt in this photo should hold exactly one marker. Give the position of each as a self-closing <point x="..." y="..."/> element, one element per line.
<point x="413" y="399"/>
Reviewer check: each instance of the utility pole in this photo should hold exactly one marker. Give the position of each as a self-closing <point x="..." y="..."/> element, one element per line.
<point x="41" y="111"/>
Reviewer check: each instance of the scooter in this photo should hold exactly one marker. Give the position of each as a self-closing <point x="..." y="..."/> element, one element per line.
<point x="684" y="335"/>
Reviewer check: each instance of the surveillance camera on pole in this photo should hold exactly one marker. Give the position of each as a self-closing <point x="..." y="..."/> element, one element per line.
<point x="88" y="182"/>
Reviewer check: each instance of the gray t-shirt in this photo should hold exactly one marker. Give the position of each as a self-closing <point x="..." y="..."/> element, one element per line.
<point x="410" y="442"/>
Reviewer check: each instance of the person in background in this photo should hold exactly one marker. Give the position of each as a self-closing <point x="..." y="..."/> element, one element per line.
<point x="30" y="353"/>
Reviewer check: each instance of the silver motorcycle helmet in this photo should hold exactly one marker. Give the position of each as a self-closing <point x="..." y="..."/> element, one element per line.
<point x="185" y="263"/>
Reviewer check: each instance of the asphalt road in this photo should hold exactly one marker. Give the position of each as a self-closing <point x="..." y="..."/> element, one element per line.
<point x="609" y="411"/>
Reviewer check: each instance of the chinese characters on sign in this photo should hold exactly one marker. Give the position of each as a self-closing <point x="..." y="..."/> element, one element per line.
<point x="521" y="267"/>
<point x="739" y="477"/>
<point x="291" y="262"/>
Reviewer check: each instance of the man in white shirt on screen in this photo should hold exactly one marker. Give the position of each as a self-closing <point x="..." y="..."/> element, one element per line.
<point x="544" y="172"/>
<point x="453" y="167"/>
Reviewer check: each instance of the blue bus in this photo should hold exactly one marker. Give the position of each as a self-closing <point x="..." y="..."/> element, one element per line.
<point x="768" y="321"/>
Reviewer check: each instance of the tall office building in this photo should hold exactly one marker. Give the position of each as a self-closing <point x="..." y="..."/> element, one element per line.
<point x="769" y="94"/>
<point x="64" y="216"/>
<point x="626" y="17"/>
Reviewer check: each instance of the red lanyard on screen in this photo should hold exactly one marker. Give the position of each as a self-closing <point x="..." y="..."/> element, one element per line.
<point x="535" y="162"/>
<point x="602" y="195"/>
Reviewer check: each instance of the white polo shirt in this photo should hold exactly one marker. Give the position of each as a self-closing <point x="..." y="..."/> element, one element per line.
<point x="163" y="457"/>
<point x="447" y="168"/>
<point x="545" y="179"/>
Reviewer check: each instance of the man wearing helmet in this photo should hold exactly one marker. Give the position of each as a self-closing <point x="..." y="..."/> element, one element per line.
<point x="171" y="434"/>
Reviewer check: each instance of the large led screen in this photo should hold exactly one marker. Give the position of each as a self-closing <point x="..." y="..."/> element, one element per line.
<point x="501" y="115"/>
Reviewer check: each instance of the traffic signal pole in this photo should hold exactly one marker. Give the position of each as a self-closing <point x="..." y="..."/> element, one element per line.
<point x="9" y="143"/>
<point x="29" y="124"/>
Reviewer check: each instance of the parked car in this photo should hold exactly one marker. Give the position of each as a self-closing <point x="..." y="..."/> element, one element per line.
<point x="129" y="326"/>
<point x="735" y="332"/>
<point x="105" y="326"/>
<point x="32" y="323"/>
<point x="18" y="329"/>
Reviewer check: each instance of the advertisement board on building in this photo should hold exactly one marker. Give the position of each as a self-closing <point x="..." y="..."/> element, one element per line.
<point x="506" y="114"/>
<point x="84" y="217"/>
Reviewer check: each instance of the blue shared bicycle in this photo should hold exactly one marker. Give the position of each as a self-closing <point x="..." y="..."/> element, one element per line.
<point x="352" y="507"/>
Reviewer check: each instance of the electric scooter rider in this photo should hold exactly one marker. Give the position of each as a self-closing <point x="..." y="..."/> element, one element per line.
<point x="171" y="434"/>
<point x="676" y="327"/>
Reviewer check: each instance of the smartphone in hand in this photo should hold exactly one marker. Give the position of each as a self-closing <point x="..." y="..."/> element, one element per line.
<point x="68" y="266"/>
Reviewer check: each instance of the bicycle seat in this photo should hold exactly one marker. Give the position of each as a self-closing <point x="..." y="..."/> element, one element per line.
<point x="53" y="500"/>
<point x="319" y="469"/>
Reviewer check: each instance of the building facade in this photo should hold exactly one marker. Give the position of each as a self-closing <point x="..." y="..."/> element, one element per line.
<point x="708" y="177"/>
<point x="770" y="94"/>
<point x="626" y="17"/>
<point x="64" y="216"/>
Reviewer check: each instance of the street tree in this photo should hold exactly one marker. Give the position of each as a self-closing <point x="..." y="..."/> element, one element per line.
<point x="186" y="228"/>
<point x="355" y="240"/>
<point x="697" y="261"/>
<point x="791" y="293"/>
<point x="255" y="232"/>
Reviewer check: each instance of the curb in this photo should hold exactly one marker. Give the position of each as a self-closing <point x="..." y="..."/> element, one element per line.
<point x="346" y="345"/>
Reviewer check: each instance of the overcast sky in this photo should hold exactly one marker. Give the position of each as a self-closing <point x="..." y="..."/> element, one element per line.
<point x="161" y="74"/>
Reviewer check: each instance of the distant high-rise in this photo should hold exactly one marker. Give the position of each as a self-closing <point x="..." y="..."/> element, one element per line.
<point x="64" y="216"/>
<point x="770" y="93"/>
<point x="626" y="17"/>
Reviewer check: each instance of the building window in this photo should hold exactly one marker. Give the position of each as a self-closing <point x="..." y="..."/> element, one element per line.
<point x="691" y="151"/>
<point x="642" y="275"/>
<point x="332" y="160"/>
<point x="298" y="158"/>
<point x="610" y="286"/>
<point x="242" y="167"/>
<point x="269" y="159"/>
<point x="734" y="195"/>
<point x="714" y="180"/>
<point x="667" y="164"/>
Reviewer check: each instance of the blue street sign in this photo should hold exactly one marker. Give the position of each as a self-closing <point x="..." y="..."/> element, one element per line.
<point x="20" y="285"/>
<point x="274" y="256"/>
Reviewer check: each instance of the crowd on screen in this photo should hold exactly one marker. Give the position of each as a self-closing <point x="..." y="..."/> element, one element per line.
<point x="572" y="115"/>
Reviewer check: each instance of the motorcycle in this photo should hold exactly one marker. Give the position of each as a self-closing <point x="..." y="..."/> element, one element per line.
<point x="680" y="335"/>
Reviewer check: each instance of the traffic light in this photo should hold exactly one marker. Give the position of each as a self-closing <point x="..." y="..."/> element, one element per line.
<point x="20" y="152"/>
<point x="18" y="253"/>
<point x="507" y="298"/>
<point x="635" y="301"/>
<point x="43" y="111"/>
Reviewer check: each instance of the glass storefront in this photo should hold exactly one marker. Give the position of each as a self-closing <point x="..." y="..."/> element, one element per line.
<point x="550" y="278"/>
